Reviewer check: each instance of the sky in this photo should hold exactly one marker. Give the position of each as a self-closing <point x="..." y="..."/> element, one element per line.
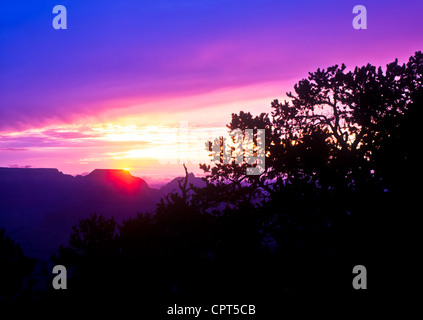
<point x="141" y="85"/>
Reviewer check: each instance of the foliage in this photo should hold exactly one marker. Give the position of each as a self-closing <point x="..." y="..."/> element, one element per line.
<point x="15" y="269"/>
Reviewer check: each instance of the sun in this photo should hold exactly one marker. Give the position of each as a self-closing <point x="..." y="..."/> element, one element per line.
<point x="126" y="169"/>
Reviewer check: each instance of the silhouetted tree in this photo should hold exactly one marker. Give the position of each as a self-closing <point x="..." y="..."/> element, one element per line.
<point x="331" y="129"/>
<point x="15" y="269"/>
<point x="341" y="165"/>
<point x="91" y="257"/>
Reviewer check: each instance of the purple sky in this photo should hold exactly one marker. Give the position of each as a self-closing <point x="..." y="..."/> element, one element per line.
<point x="103" y="92"/>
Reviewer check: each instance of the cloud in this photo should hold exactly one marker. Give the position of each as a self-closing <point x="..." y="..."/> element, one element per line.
<point x="66" y="137"/>
<point x="19" y="166"/>
<point x="129" y="53"/>
<point x="13" y="149"/>
<point x="60" y="134"/>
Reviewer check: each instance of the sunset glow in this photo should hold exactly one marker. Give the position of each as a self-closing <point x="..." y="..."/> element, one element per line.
<point x="200" y="158"/>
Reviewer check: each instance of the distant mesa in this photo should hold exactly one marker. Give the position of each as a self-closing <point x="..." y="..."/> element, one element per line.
<point x="97" y="176"/>
<point x="173" y="186"/>
<point x="118" y="177"/>
<point x="111" y="173"/>
<point x="31" y="174"/>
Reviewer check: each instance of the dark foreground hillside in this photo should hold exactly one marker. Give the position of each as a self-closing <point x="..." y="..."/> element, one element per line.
<point x="38" y="207"/>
